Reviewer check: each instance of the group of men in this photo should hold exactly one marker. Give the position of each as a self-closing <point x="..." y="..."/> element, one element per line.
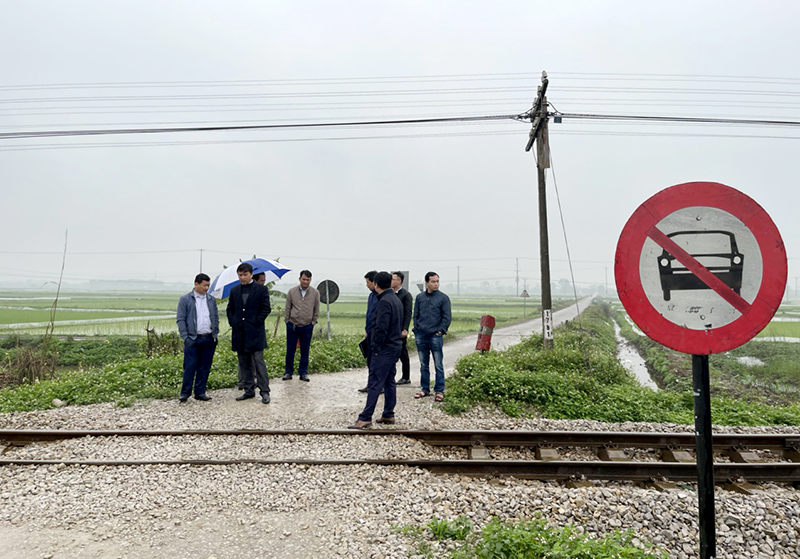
<point x="389" y="314"/>
<point x="247" y="311"/>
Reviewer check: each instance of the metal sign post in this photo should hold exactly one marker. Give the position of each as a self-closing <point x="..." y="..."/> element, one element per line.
<point x="705" y="456"/>
<point x="328" y="293"/>
<point x="524" y="301"/>
<point x="701" y="268"/>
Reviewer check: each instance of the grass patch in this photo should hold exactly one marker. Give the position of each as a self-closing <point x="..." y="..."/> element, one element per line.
<point x="532" y="539"/>
<point x="582" y="379"/>
<point x="160" y="377"/>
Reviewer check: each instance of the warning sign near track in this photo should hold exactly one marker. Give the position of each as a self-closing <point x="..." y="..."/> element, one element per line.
<point x="700" y="268"/>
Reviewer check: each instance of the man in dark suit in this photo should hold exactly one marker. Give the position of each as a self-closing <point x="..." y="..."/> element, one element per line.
<point x="248" y="307"/>
<point x="407" y="301"/>
<point x="385" y="345"/>
<point x="198" y="325"/>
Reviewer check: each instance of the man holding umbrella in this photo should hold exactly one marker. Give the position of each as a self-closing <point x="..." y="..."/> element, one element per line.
<point x="248" y="308"/>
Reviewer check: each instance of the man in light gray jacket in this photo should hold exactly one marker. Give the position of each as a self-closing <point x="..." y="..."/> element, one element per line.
<point x="198" y="324"/>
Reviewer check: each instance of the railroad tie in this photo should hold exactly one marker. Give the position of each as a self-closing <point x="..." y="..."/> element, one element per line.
<point x="610" y="454"/>
<point x="677" y="455"/>
<point x="741" y="486"/>
<point x="742" y="455"/>
<point x="548" y="454"/>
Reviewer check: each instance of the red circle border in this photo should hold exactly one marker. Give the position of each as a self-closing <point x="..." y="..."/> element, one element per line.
<point x="666" y="332"/>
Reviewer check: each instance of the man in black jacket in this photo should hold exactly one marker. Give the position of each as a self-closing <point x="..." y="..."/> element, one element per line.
<point x="248" y="307"/>
<point x="407" y="301"/>
<point x="386" y="342"/>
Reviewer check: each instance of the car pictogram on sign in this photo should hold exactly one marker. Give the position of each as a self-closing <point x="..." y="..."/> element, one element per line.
<point x="716" y="250"/>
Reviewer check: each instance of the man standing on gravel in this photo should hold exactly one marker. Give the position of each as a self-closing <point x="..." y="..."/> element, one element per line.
<point x="385" y="345"/>
<point x="248" y="308"/>
<point x="407" y="300"/>
<point x="431" y="321"/>
<point x="300" y="312"/>
<point x="372" y="301"/>
<point x="198" y="325"/>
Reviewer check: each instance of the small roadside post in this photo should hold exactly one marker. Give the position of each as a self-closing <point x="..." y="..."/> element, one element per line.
<point x="328" y="293"/>
<point x="701" y="268"/>
<point x="525" y="297"/>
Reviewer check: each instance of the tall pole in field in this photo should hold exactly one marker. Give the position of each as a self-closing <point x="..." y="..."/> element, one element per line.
<point x="201" y="259"/>
<point x="538" y="116"/>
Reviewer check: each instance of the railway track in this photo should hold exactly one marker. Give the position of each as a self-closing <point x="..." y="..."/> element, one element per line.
<point x="777" y="461"/>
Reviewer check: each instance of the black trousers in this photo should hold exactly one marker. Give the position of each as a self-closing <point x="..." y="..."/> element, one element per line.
<point x="248" y="361"/>
<point x="404" y="362"/>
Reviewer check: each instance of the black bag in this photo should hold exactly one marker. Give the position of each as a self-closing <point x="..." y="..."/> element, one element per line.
<point x="363" y="345"/>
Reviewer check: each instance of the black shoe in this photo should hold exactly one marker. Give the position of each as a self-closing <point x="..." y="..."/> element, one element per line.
<point x="304" y="378"/>
<point x="365" y="389"/>
<point x="265" y="399"/>
<point x="287" y="376"/>
<point x="183" y="400"/>
<point x="404" y="381"/>
<point x="240" y="387"/>
<point x="245" y="396"/>
<point x="203" y="397"/>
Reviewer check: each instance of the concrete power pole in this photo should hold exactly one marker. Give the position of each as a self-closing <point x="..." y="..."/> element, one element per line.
<point x="538" y="116"/>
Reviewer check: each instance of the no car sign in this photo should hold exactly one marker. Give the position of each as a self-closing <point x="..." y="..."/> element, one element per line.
<point x="700" y="268"/>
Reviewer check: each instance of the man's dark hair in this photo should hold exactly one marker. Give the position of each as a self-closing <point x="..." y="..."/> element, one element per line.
<point x="245" y="267"/>
<point x="429" y="275"/>
<point x="400" y="275"/>
<point x="383" y="279"/>
<point x="259" y="276"/>
<point x="370" y="275"/>
<point x="305" y="273"/>
<point x="199" y="278"/>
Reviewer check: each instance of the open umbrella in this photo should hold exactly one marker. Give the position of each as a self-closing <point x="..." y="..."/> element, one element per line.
<point x="224" y="282"/>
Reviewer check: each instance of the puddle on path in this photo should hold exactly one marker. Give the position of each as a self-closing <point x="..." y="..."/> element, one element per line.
<point x="631" y="360"/>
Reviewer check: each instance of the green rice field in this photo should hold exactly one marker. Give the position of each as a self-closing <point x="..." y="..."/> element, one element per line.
<point x="82" y="314"/>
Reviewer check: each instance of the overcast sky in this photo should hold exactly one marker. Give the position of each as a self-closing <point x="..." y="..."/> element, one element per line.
<point x="343" y="201"/>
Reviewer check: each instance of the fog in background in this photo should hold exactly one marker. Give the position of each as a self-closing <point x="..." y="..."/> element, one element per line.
<point x="457" y="198"/>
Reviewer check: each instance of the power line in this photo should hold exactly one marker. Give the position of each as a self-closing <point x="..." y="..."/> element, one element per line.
<point x="120" y="131"/>
<point x="693" y="120"/>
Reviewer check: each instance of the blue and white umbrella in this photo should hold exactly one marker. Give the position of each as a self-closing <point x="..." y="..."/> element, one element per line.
<point x="228" y="278"/>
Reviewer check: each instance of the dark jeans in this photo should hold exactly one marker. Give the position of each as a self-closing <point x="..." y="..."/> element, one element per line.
<point x="404" y="362"/>
<point x="294" y="333"/>
<point x="198" y="355"/>
<point x="381" y="376"/>
<point x="427" y="345"/>
<point x="248" y="361"/>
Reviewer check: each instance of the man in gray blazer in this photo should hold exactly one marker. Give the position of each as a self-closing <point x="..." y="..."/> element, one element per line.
<point x="198" y="324"/>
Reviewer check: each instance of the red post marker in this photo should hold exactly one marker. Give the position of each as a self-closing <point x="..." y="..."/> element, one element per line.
<point x="485" y="333"/>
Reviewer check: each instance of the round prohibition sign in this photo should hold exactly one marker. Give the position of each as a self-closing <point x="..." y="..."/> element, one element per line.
<point x="688" y="293"/>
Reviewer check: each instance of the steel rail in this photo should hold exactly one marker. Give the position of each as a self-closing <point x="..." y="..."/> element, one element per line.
<point x="542" y="470"/>
<point x="506" y="438"/>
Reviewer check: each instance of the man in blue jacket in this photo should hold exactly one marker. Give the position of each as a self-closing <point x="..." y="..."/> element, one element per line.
<point x="198" y="325"/>
<point x="385" y="345"/>
<point x="248" y="308"/>
<point x="431" y="321"/>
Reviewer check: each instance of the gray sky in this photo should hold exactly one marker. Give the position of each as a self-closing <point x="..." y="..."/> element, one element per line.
<point x="436" y="197"/>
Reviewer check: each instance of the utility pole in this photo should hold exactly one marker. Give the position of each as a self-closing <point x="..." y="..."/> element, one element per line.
<point x="201" y="259"/>
<point x="538" y="116"/>
<point x="606" y="286"/>
<point x="517" y="277"/>
<point x="458" y="280"/>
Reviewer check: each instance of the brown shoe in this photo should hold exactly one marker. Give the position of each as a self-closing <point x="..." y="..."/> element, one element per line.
<point x="386" y="420"/>
<point x="360" y="425"/>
